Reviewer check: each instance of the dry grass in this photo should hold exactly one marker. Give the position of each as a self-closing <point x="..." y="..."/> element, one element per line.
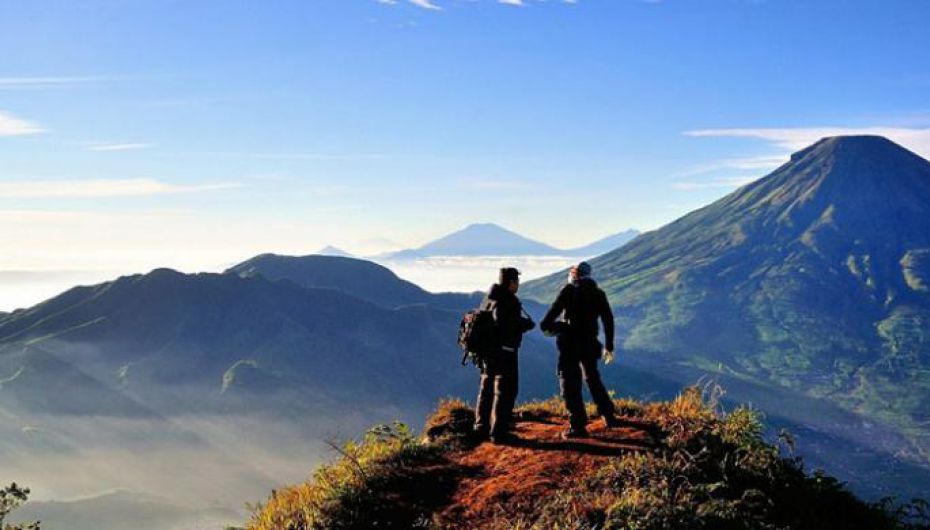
<point x="684" y="463"/>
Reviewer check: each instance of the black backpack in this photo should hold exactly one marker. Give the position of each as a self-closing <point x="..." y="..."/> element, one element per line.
<point x="478" y="335"/>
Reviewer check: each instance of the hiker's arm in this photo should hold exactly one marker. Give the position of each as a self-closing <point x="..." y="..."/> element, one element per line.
<point x="607" y="318"/>
<point x="526" y="323"/>
<point x="548" y="324"/>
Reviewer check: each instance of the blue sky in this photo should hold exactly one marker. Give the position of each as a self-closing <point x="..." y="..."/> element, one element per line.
<point x="194" y="133"/>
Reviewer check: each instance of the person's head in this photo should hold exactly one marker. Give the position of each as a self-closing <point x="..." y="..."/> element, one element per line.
<point x="583" y="270"/>
<point x="509" y="279"/>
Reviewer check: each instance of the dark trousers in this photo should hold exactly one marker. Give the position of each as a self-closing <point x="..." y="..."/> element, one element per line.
<point x="497" y="393"/>
<point x="577" y="360"/>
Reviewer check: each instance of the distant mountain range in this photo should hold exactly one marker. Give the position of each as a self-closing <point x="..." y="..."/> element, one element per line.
<point x="290" y="350"/>
<point x="488" y="239"/>
<point x="811" y="282"/>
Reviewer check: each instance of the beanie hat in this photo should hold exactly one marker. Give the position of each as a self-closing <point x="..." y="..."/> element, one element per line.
<point x="507" y="275"/>
<point x="584" y="269"/>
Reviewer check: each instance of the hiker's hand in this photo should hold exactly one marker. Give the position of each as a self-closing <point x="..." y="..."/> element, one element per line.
<point x="608" y="356"/>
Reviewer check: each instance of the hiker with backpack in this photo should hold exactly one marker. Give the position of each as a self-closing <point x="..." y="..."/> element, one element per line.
<point x="573" y="319"/>
<point x="491" y="335"/>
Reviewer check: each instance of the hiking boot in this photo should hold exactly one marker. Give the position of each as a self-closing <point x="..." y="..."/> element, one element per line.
<point x="504" y="438"/>
<point x="575" y="433"/>
<point x="479" y="434"/>
<point x="611" y="422"/>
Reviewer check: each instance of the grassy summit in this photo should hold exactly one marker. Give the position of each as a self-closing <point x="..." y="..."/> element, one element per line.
<point x="677" y="464"/>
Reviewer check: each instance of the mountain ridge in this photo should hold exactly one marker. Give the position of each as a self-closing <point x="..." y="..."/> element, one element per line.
<point x="811" y="279"/>
<point x="490" y="239"/>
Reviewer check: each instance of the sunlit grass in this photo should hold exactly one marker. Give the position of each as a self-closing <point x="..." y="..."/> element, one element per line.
<point x="710" y="469"/>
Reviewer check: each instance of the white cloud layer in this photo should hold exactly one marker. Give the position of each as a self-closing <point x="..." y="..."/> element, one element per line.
<point x="793" y="139"/>
<point x="12" y="126"/>
<point x="472" y="273"/>
<point x="95" y="188"/>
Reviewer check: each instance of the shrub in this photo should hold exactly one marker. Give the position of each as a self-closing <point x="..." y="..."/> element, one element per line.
<point x="12" y="497"/>
<point x="388" y="479"/>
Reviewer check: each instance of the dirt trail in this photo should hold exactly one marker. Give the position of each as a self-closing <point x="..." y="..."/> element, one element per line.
<point x="507" y="479"/>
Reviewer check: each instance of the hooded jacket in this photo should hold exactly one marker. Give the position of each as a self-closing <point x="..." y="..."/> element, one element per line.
<point x="508" y="314"/>
<point x="576" y="311"/>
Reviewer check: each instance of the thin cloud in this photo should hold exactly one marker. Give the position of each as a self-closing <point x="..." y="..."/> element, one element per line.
<point x="12" y="126"/>
<point x="283" y="156"/>
<point x="753" y="163"/>
<point x="793" y="139"/>
<point x="100" y="188"/>
<point x="426" y="4"/>
<point x="50" y="82"/>
<point x="729" y="182"/>
<point x="491" y="184"/>
<point x="119" y="147"/>
<point x="512" y="2"/>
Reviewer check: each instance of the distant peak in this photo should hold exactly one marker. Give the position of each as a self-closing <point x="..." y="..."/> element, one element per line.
<point x="164" y="271"/>
<point x="484" y="226"/>
<point x="330" y="250"/>
<point x="863" y="140"/>
<point x="849" y="146"/>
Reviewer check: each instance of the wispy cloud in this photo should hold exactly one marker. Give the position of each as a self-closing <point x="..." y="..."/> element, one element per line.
<point x="283" y="156"/>
<point x="728" y="182"/>
<point x="12" y="126"/>
<point x="99" y="188"/>
<point x="426" y="4"/>
<point x="793" y="139"/>
<point x="44" y="83"/>
<point x="493" y="184"/>
<point x="118" y="146"/>
<point x="752" y="163"/>
<point x="512" y="2"/>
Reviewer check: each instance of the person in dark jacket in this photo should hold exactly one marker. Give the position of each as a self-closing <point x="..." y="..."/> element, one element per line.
<point x="574" y="317"/>
<point x="499" y="370"/>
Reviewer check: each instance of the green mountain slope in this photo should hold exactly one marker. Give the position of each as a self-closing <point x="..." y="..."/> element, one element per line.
<point x="232" y="379"/>
<point x="813" y="279"/>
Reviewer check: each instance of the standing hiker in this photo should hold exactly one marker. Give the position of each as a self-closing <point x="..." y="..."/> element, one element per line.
<point x="499" y="367"/>
<point x="573" y="318"/>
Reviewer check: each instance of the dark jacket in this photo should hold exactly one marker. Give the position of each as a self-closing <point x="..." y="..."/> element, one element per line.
<point x="576" y="310"/>
<point x="512" y="323"/>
